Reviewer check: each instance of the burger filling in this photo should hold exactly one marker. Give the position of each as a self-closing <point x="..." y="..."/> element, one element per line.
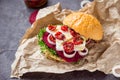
<point x="63" y="42"/>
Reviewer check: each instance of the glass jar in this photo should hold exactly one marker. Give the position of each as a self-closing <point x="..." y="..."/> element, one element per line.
<point x="35" y="3"/>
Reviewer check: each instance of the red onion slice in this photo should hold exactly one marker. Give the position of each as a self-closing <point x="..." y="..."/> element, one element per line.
<point x="114" y="70"/>
<point x="83" y="52"/>
<point x="48" y="38"/>
<point x="88" y="41"/>
<point x="69" y="55"/>
<point x="73" y="59"/>
<point x="46" y="41"/>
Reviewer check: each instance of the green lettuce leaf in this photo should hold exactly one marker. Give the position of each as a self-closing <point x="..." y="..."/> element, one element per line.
<point x="43" y="46"/>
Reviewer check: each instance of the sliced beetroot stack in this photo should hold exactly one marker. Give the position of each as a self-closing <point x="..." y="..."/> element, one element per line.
<point x="60" y="53"/>
<point x="45" y="35"/>
<point x="73" y="59"/>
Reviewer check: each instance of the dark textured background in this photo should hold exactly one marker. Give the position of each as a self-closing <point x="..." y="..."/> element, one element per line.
<point x="13" y="24"/>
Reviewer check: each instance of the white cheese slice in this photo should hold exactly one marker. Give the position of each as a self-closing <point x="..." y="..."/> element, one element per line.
<point x="68" y="36"/>
<point x="59" y="45"/>
<point x="79" y="47"/>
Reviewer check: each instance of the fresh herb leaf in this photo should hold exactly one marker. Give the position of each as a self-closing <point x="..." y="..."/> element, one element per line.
<point x="41" y="32"/>
<point x="43" y="46"/>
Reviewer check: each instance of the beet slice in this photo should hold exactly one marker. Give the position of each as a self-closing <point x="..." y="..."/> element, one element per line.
<point x="60" y="53"/>
<point x="32" y="17"/>
<point x="45" y="35"/>
<point x="74" y="59"/>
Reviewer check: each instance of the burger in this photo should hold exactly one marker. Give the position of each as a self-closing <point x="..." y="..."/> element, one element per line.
<point x="68" y="42"/>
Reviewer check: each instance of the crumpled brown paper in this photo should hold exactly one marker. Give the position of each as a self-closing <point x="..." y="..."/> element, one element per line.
<point x="103" y="56"/>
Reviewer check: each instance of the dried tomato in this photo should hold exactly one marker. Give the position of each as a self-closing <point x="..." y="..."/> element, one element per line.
<point x="59" y="36"/>
<point x="64" y="28"/>
<point x="68" y="47"/>
<point x="52" y="28"/>
<point x="73" y="33"/>
<point x="77" y="40"/>
<point x="52" y="38"/>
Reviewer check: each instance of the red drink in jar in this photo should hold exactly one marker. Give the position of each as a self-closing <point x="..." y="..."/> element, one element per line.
<point x="35" y="3"/>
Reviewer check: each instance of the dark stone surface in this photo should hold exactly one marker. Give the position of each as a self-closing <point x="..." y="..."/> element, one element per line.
<point x="13" y="24"/>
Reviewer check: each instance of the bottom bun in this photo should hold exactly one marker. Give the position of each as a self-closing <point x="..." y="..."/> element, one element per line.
<point x="53" y="57"/>
<point x="48" y="55"/>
